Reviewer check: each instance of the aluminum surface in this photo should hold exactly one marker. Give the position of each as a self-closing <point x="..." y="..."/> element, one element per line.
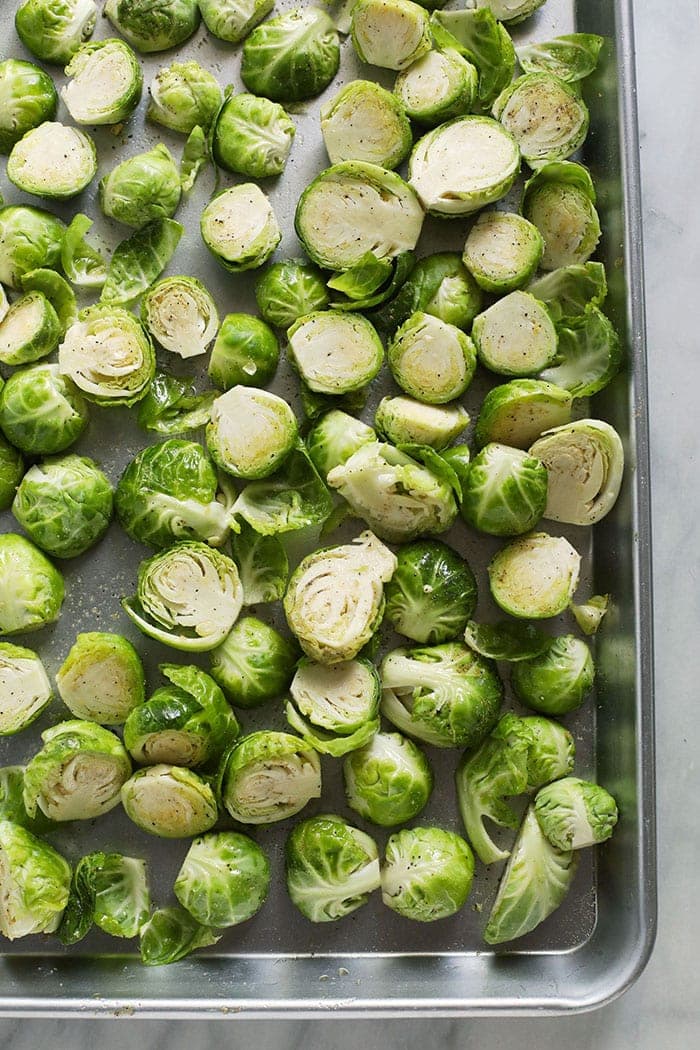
<point x="375" y="963"/>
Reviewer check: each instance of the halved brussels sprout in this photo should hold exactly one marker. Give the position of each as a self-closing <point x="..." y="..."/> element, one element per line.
<point x="432" y="593"/>
<point x="239" y="227"/>
<point x="232" y="20"/>
<point x="102" y="678"/>
<point x="184" y="96"/>
<point x="574" y="813"/>
<point x="432" y="360"/>
<point x="269" y="776"/>
<point x="589" y="354"/>
<point x="292" y="498"/>
<point x="53" y="30"/>
<point x="505" y="491"/>
<point x="571" y="57"/>
<point x="446" y="695"/>
<point x="263" y="565"/>
<point x="570" y="290"/>
<point x="585" y="463"/>
<point x="402" y="420"/>
<point x="29" y="331"/>
<point x="109" y="890"/>
<point x="78" y="773"/>
<point x="427" y="873"/>
<point x="223" y="879"/>
<point x="141" y="188"/>
<point x="335" y="353"/>
<point x="252" y="136"/>
<point x="254" y="664"/>
<point x="547" y="117"/>
<point x="551" y="747"/>
<point x="516" y="413"/>
<point x="82" y="263"/>
<point x="24" y="687"/>
<point x="31" y="588"/>
<point x="335" y="598"/>
<point x="170" y="802"/>
<point x="439" y="285"/>
<point x="437" y="87"/>
<point x="11" y="472"/>
<point x="516" y="336"/>
<point x="29" y="238"/>
<point x="560" y="201"/>
<point x="171" y="934"/>
<point x="534" y="577"/>
<point x="335" y="438"/>
<point x="289" y="290"/>
<point x="246" y="353"/>
<point x="503" y="251"/>
<point x="390" y="33"/>
<point x="559" y="680"/>
<point x="154" y="27"/>
<point x="589" y="615"/>
<point x="28" y="99"/>
<point x="53" y="160"/>
<point x="510" y="11"/>
<point x="181" y="315"/>
<point x="352" y="208"/>
<point x="463" y="165"/>
<point x="478" y="37"/>
<point x="510" y="640"/>
<point x="251" y="432"/>
<point x="188" y="596"/>
<point x="104" y="83"/>
<point x="139" y="259"/>
<point x="291" y="57"/>
<point x="108" y="356"/>
<point x="335" y="709"/>
<point x="41" y="411"/>
<point x="366" y="122"/>
<point x="35" y="881"/>
<point x="388" y="781"/>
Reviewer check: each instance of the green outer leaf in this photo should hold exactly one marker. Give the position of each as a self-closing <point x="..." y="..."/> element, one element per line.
<point x="83" y="265"/>
<point x="327" y="743"/>
<point x="194" y="156"/>
<point x="291" y="57"/>
<point x="589" y="354"/>
<point x="484" y="778"/>
<point x="139" y="260"/>
<point x="478" y="37"/>
<point x="567" y="172"/>
<point x="172" y="405"/>
<point x="170" y="934"/>
<point x="292" y="498"/>
<point x="57" y="291"/>
<point x="12" y="802"/>
<point x="263" y="565"/>
<point x="510" y="640"/>
<point x="570" y="289"/>
<point x="402" y="266"/>
<point x="363" y="279"/>
<point x="571" y="57"/>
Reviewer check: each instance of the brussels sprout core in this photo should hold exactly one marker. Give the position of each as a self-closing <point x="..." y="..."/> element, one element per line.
<point x="180" y="313"/>
<point x="390" y="33"/>
<point x="105" y="83"/>
<point x="365" y="122"/>
<point x="431" y="360"/>
<point x="27" y="98"/>
<point x="585" y="463"/>
<point x="35" y="883"/>
<point x="269" y="776"/>
<point x="170" y="802"/>
<point x="437" y="87"/>
<point x="108" y="356"/>
<point x="535" y="577"/>
<point x="251" y="432"/>
<point x="335" y="708"/>
<point x="516" y="336"/>
<point x="25" y="689"/>
<point x="239" y="227"/>
<point x="335" y="353"/>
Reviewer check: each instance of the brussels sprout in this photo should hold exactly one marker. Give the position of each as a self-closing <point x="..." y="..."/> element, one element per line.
<point x="29" y="238"/>
<point x="291" y="57"/>
<point x="439" y="285"/>
<point x="24" y="687"/>
<point x="102" y="678"/>
<point x="239" y="227"/>
<point x="571" y="57"/>
<point x="108" y="356"/>
<point x="109" y="890"/>
<point x="53" y="160"/>
<point x="503" y="251"/>
<point x="366" y="122"/>
<point x="137" y="261"/>
<point x="536" y="879"/>
<point x="397" y="496"/>
<point x="437" y="87"/>
<point x="481" y="39"/>
<point x="510" y="640"/>
<point x="516" y="336"/>
<point x="29" y="331"/>
<point x="574" y="813"/>
<point x="551" y="748"/>
<point x="432" y="594"/>
<point x="289" y="290"/>
<point x="534" y="577"/>
<point x="516" y="413"/>
<point x="181" y="315"/>
<point x="251" y="432"/>
<point x="31" y="588"/>
<point x="335" y="438"/>
<point x="388" y="781"/>
<point x="335" y="709"/>
<point x="170" y="934"/>
<point x="511" y="11"/>
<point x="246" y="353"/>
<point x="11" y="471"/>
<point x="589" y="615"/>
<point x="78" y="773"/>
<point x="331" y="868"/>
<point x="170" y="802"/>
<point x="58" y="292"/>
<point x="268" y="776"/>
<point x="232" y="20"/>
<point x="186" y="723"/>
<point x="505" y="491"/>
<point x="104" y="83"/>
<point x="463" y="165"/>
<point x="589" y="354"/>
<point x="172" y="406"/>
<point x="53" y="30"/>
<point x="335" y="353"/>
<point x="547" y="117"/>
<point x="431" y="360"/>
<point x="557" y="681"/>
<point x="263" y="566"/>
<point x="188" y="596"/>
<point x="153" y="27"/>
<point x="390" y="33"/>
<point x="292" y="498"/>
<point x="223" y="879"/>
<point x="352" y="208"/>
<point x="402" y="420"/>
<point x="560" y="201"/>
<point x="252" y="136"/>
<point x="427" y="873"/>
<point x="28" y="98"/>
<point x="12" y="802"/>
<point x="35" y="880"/>
<point x="142" y="188"/>
<point x="568" y="291"/>
<point x="82" y="263"/>
<point x="253" y="664"/>
<point x="41" y="411"/>
<point x="184" y="96"/>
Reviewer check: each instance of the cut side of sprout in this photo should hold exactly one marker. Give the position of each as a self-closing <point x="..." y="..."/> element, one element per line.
<point x="366" y="122"/>
<point x="546" y="116"/>
<point x="102" y="678"/>
<point x="535" y="577"/>
<point x="437" y="87"/>
<point x="53" y="160"/>
<point x="269" y="776"/>
<point x="567" y="219"/>
<point x="340" y="698"/>
<point x="335" y="353"/>
<point x="431" y="360"/>
<point x="180" y="313"/>
<point x="516" y="336"/>
<point x="503" y="251"/>
<point x="239" y="227"/>
<point x="108" y="356"/>
<point x="585" y="463"/>
<point x="25" y="689"/>
<point x="251" y="432"/>
<point x="105" y="85"/>
<point x="403" y="420"/>
<point x="390" y="33"/>
<point x="30" y="330"/>
<point x="170" y="802"/>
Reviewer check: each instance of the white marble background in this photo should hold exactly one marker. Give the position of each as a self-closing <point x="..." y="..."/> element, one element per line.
<point x="662" y="1011"/>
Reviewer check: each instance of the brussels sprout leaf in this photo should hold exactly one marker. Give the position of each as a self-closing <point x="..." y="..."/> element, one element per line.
<point x="569" y="290"/>
<point x="82" y="264"/>
<point x="139" y="260"/>
<point x="507" y="640"/>
<point x="172" y="406"/>
<point x="263" y="566"/>
<point x="293" y="498"/>
<point x="571" y="57"/>
<point x="57" y="291"/>
<point x="171" y="934"/>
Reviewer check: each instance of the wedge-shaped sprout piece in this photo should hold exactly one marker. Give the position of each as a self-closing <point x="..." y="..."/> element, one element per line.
<point x="291" y="57"/>
<point x="28" y="99"/>
<point x="432" y="594"/>
<point x="29" y="238"/>
<point x="335" y="353"/>
<point x="31" y="588"/>
<point x="534" y="577"/>
<point x="503" y="251"/>
<point x="232" y="20"/>
<point x="559" y="680"/>
<point x="292" y="498"/>
<point x="104" y="83"/>
<point x="463" y="165"/>
<point x="239" y="227"/>
<point x="169" y="801"/>
<point x="481" y="39"/>
<point x="269" y="776"/>
<point x="24" y="687"/>
<point x="388" y="781"/>
<point x="171" y="934"/>
<point x="224" y="879"/>
<point x="289" y="290"/>
<point x="137" y="261"/>
<point x="516" y="413"/>
<point x="589" y="354"/>
<point x="188" y="596"/>
<point x="585" y="463"/>
<point x="510" y="640"/>
<point x="571" y="57"/>
<point x="142" y="188"/>
<point x="568" y="291"/>
<point x="366" y="122"/>
<point x="251" y="432"/>
<point x="41" y="411"/>
<point x="505" y="491"/>
<point x="172" y="405"/>
<point x="439" y="285"/>
<point x="53" y="30"/>
<point x="589" y="615"/>
<point x="12" y="806"/>
<point x="184" y="96"/>
<point x="252" y="136"/>
<point x="427" y="873"/>
<point x="335" y="598"/>
<point x="437" y="87"/>
<point x="516" y="336"/>
<point x="547" y="117"/>
<point x="533" y="885"/>
<point x="331" y="868"/>
<point x="263" y="566"/>
<point x="181" y="315"/>
<point x="390" y="33"/>
<point x="560" y="201"/>
<point x="352" y="208"/>
<point x="335" y="438"/>
<point x="254" y="664"/>
<point x="431" y="360"/>
<point x="78" y="773"/>
<point x="82" y="263"/>
<point x="497" y="770"/>
<point x="510" y="11"/>
<point x="551" y="747"/>
<point x="109" y="891"/>
<point x="108" y="356"/>
<point x="574" y="813"/>
<point x="102" y="678"/>
<point x="405" y="421"/>
<point x="335" y="709"/>
<point x="58" y="292"/>
<point x="150" y="27"/>
<point x="35" y="881"/>
<point x="29" y="331"/>
<point x="11" y="471"/>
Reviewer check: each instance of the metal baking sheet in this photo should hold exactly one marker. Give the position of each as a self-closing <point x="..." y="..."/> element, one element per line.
<point x="374" y="963"/>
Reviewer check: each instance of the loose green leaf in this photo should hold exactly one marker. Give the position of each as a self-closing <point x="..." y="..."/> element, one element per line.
<point x="82" y="264"/>
<point x="139" y="260"/>
<point x="292" y="498"/>
<point x="171" y="934"/>
<point x="363" y="279"/>
<point x="507" y="640"/>
<point x="589" y="354"/>
<point x="262" y="564"/>
<point x="571" y="57"/>
<point x="172" y="405"/>
<point x="589" y="615"/>
<point x="570" y="289"/>
<point x="478" y="37"/>
<point x="194" y="156"/>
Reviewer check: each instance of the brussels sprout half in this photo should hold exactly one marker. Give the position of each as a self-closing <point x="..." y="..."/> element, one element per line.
<point x="141" y="188"/>
<point x="53" y="30"/>
<point x="108" y="356"/>
<point x="505" y="491"/>
<point x="390" y="33"/>
<point x="184" y="96"/>
<point x="181" y="315"/>
<point x="432" y="593"/>
<point x="291" y="57"/>
<point x="252" y="136"/>
<point x="439" y="285"/>
<point x="29" y="238"/>
<point x="574" y="813"/>
<point x="31" y="588"/>
<point x="335" y="353"/>
<point x="431" y="360"/>
<point x="516" y="413"/>
<point x="534" y="577"/>
<point x="25" y="689"/>
<point x="29" y="331"/>
<point x="551" y="747"/>
<point x="503" y="251"/>
<point x="239" y="227"/>
<point x="56" y="290"/>
<point x="251" y="432"/>
<point x="510" y="640"/>
<point x="150" y="27"/>
<point x="510" y="11"/>
<point x="388" y="781"/>
<point x="35" y="880"/>
<point x="366" y="122"/>
<point x="481" y="39"/>
<point x="402" y="420"/>
<point x="11" y="472"/>
<point x="558" y="680"/>
<point x="516" y="336"/>
<point x="268" y="776"/>
<point x="41" y="411"/>
<point x="547" y="117"/>
<point x="232" y="20"/>
<point x="427" y="873"/>
<point x="335" y="709"/>
<point x="289" y="290"/>
<point x="246" y="353"/>
<point x="170" y="934"/>
<point x="102" y="678"/>
<point x="223" y="880"/>
<point x="104" y="83"/>
<point x="170" y="802"/>
<point x="437" y="87"/>
<point x="254" y="664"/>
<point x="27" y="98"/>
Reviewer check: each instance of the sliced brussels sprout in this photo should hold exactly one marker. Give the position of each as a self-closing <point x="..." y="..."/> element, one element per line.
<point x="431" y="360"/>
<point x="585" y="464"/>
<point x="510" y="11"/>
<point x="589" y="615"/>
<point x="35" y="882"/>
<point x="108" y="356"/>
<point x="402" y="420"/>
<point x="334" y="439"/>
<point x="463" y="165"/>
<point x="335" y="598"/>
<point x="335" y="709"/>
<point x="224" y="879"/>
<point x="188" y="596"/>
<point x="437" y="87"/>
<point x="560" y="201"/>
<point x="109" y="890"/>
<point x="12" y="806"/>
<point x="390" y="33"/>
<point x="184" y="96"/>
<point x="53" y="30"/>
<point x="558" y="680"/>
<point x="432" y="593"/>
<point x="254" y="664"/>
<point x="24" y="687"/>
<point x="28" y="99"/>
<point x="172" y="405"/>
<point x="54" y="161"/>
<point x="480" y="38"/>
<point x="41" y="411"/>
<point x="232" y="20"/>
<point x="141" y="188"/>
<point x="292" y="498"/>
<point x="263" y="566"/>
<point x="82" y="263"/>
<point x="181" y="315"/>
<point x="169" y="801"/>
<point x="268" y="776"/>
<point x="150" y="27"/>
<point x="534" y="577"/>
<point x="289" y="290"/>
<point x="536" y="880"/>
<point x="547" y="117"/>
<point x="589" y="354"/>
<point x="29" y="238"/>
<point x="31" y="588"/>
<point x="388" y="781"/>
<point x="366" y="122"/>
<point x="78" y="773"/>
<point x="251" y="432"/>
<point x="352" y="208"/>
<point x="335" y="353"/>
<point x="427" y="873"/>
<point x="551" y="747"/>
<point x="574" y="813"/>
<point x="503" y="251"/>
<point x="58" y="292"/>
<point x="11" y="471"/>
<point x="252" y="136"/>
<point x="239" y="227"/>
<point x="505" y="491"/>
<point x="29" y="331"/>
<point x="291" y="57"/>
<point x="171" y="934"/>
<point x="246" y="353"/>
<point x="516" y="336"/>
<point x="510" y="640"/>
<point x="571" y="57"/>
<point x="516" y="413"/>
<point x="331" y="868"/>
<point x="102" y="678"/>
<point x="104" y="83"/>
<point x="439" y="285"/>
